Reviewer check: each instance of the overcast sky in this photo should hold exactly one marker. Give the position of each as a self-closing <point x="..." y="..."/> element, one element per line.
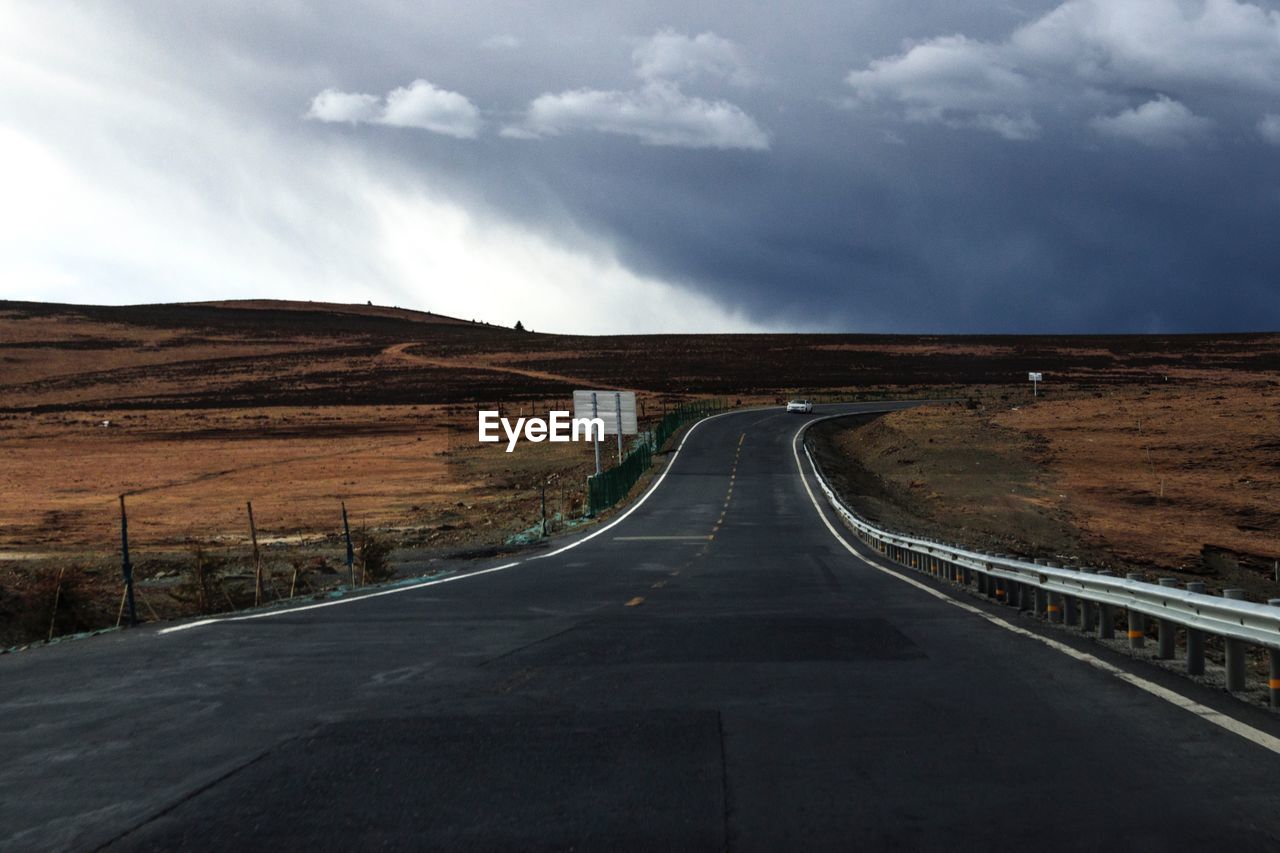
<point x="943" y="165"/>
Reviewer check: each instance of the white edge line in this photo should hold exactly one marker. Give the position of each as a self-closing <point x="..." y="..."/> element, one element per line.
<point x="1236" y="727"/>
<point x="200" y="623"/>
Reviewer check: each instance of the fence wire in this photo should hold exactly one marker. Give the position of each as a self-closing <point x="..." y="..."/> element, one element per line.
<point x="612" y="485"/>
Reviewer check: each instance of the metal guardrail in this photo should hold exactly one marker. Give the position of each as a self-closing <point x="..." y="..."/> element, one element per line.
<point x="1088" y="599"/>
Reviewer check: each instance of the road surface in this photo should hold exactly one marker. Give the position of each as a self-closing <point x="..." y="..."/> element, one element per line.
<point x="715" y="671"/>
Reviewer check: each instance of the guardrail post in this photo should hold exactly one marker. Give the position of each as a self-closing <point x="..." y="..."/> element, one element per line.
<point x="1068" y="602"/>
<point x="1086" y="608"/>
<point x="1273" y="677"/>
<point x="1137" y="622"/>
<point x="1166" y="628"/>
<point x="1106" y="619"/>
<point x="1195" y="639"/>
<point x="1042" y="596"/>
<point x="1235" y="650"/>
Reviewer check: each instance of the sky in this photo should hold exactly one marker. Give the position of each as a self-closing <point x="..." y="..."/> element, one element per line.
<point x="597" y="167"/>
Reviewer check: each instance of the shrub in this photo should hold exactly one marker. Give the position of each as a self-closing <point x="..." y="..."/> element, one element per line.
<point x="201" y="589"/>
<point x="374" y="555"/>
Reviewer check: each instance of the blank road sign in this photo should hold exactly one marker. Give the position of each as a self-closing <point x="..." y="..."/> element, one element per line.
<point x="606" y="406"/>
<point x="1035" y="377"/>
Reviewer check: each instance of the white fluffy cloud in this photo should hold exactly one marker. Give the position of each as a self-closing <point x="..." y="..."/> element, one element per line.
<point x="669" y="55"/>
<point x="942" y="75"/>
<point x="420" y="105"/>
<point x="424" y="106"/>
<point x="1269" y="128"/>
<point x="353" y="107"/>
<point x="1082" y="57"/>
<point x="658" y="113"/>
<point x="1159" y="123"/>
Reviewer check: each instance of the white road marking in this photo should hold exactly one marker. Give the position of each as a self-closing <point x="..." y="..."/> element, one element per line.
<point x="200" y="623"/>
<point x="1236" y="727"/>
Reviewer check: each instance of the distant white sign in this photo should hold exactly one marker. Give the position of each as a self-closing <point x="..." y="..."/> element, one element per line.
<point x="1035" y="377"/>
<point x="606" y="405"/>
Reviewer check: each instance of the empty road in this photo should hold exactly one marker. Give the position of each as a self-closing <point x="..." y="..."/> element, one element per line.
<point x="714" y="671"/>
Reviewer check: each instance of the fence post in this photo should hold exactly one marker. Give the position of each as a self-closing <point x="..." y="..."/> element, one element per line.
<point x="1195" y="639"/>
<point x="1235" y="650"/>
<point x="351" y="554"/>
<point x="1167" y="629"/>
<point x="1273" y="676"/>
<point x="126" y="566"/>
<point x="1137" y="622"/>
<point x="257" y="558"/>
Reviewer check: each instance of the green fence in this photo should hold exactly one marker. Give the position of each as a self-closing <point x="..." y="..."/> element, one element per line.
<point x="608" y="487"/>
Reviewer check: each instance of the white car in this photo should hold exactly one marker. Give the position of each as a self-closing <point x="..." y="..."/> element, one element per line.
<point x="804" y="407"/>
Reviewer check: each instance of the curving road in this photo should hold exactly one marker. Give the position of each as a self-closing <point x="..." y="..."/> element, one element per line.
<point x="714" y="671"/>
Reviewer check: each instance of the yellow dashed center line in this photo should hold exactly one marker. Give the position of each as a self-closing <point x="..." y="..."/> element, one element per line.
<point x="636" y="602"/>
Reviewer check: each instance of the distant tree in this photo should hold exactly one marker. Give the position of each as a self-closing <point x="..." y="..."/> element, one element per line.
<point x="519" y="326"/>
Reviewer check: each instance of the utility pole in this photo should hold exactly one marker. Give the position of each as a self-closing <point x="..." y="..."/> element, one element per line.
<point x="126" y="565"/>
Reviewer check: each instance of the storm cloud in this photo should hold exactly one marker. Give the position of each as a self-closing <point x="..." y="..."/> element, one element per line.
<point x="1089" y="165"/>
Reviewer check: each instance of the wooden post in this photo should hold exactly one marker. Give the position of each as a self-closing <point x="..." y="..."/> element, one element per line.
<point x="57" y="594"/>
<point x="351" y="554"/>
<point x="126" y="566"/>
<point x="257" y="558"/>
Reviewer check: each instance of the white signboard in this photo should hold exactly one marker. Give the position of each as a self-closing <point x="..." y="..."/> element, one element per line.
<point x="1035" y="377"/>
<point x="606" y="405"/>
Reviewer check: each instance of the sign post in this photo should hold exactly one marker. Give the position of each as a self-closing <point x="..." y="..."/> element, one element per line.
<point x="1036" y="379"/>
<point x="616" y="411"/>
<point x="595" y="439"/>
<point x="617" y="405"/>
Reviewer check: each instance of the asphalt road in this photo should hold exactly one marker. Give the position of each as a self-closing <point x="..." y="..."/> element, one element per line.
<point x="715" y="671"/>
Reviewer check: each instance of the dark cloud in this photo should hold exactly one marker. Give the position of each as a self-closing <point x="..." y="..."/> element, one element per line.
<point x="1085" y="165"/>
